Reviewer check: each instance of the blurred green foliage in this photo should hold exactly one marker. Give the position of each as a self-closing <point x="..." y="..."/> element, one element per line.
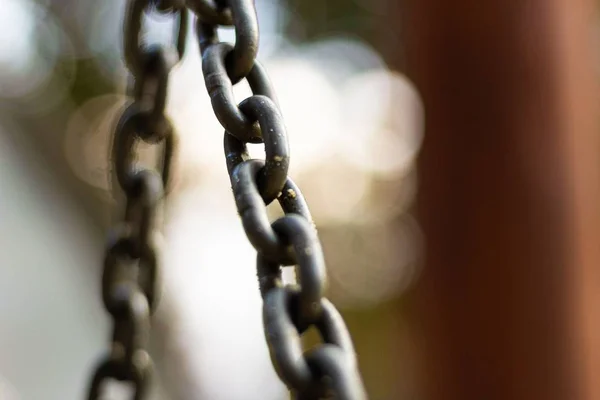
<point x="313" y="19"/>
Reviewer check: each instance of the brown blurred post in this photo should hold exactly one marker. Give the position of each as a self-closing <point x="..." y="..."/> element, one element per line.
<point x="509" y="198"/>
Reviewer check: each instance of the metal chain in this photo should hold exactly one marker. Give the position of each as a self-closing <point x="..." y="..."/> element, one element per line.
<point x="131" y="265"/>
<point x="330" y="369"/>
<point x="129" y="283"/>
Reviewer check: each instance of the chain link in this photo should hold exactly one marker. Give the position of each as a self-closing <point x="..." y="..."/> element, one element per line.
<point x="131" y="268"/>
<point x="130" y="280"/>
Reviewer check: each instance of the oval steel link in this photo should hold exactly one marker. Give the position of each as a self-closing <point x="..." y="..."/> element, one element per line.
<point x="286" y="348"/>
<point x="150" y="94"/>
<point x="236" y="153"/>
<point x="292" y="202"/>
<point x="240" y="60"/>
<point x="124" y="141"/>
<point x="131" y="321"/>
<point x="120" y="261"/>
<point x="332" y="328"/>
<point x="109" y="368"/>
<point x="273" y="175"/>
<point x="310" y="264"/>
<point x="134" y="50"/>
<point x="220" y="90"/>
<point x="260" y="83"/>
<point x="140" y="209"/>
<point x="255" y="220"/>
<point x="342" y="380"/>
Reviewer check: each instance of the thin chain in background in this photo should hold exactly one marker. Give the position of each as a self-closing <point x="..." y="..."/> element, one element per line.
<point x="328" y="370"/>
<point x="131" y="267"/>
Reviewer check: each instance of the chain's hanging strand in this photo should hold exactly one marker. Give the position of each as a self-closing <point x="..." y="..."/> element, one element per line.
<point x="131" y="267"/>
<point x="330" y="368"/>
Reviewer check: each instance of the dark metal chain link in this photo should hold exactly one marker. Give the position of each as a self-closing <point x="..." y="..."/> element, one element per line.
<point x="131" y="269"/>
<point x="330" y="369"/>
<point x="131" y="265"/>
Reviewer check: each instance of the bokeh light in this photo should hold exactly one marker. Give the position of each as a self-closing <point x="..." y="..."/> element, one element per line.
<point x="32" y="45"/>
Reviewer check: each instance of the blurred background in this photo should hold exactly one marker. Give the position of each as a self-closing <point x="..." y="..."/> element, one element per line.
<point x="473" y="277"/>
